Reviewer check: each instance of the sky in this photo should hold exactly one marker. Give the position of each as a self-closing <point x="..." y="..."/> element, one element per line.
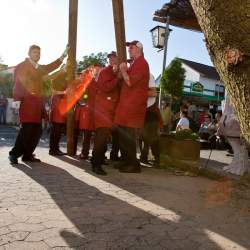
<point x="45" y="23"/>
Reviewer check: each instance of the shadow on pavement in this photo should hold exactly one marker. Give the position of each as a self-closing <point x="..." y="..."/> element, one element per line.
<point x="106" y="216"/>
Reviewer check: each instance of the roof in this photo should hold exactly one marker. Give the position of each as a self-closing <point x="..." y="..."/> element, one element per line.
<point x="181" y="15"/>
<point x="205" y="70"/>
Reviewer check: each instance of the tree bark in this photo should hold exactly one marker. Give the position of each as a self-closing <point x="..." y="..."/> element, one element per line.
<point x="226" y="24"/>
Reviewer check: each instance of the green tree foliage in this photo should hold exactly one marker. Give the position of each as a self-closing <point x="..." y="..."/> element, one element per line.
<point x="173" y="79"/>
<point x="6" y="80"/>
<point x="6" y="84"/>
<point x="92" y="59"/>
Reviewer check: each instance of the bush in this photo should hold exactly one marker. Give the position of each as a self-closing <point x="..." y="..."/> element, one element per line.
<point x="186" y="134"/>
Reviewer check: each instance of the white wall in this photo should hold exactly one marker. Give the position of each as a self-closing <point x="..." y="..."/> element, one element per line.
<point x="209" y="84"/>
<point x="191" y="75"/>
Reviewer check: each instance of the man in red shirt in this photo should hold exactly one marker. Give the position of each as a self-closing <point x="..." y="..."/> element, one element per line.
<point x="106" y="100"/>
<point x="131" y="109"/>
<point x="28" y="90"/>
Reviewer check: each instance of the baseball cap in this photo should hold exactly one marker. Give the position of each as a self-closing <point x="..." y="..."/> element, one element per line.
<point x="112" y="53"/>
<point x="136" y="43"/>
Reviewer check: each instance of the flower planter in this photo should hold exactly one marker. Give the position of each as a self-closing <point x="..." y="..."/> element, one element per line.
<point x="180" y="149"/>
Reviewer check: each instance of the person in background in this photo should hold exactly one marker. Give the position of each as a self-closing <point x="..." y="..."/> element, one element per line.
<point x="3" y="108"/>
<point x="107" y="97"/>
<point x="183" y="123"/>
<point x="192" y="110"/>
<point x="207" y="128"/>
<point x="56" y="118"/>
<point x="151" y="129"/>
<point x="85" y="116"/>
<point x="28" y="90"/>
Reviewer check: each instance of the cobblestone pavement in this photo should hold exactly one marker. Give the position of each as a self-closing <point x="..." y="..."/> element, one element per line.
<point x="60" y="204"/>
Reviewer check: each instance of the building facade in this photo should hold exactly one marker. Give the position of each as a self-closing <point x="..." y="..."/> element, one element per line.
<point x="202" y="83"/>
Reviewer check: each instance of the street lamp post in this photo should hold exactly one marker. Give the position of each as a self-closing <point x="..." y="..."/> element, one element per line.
<point x="160" y="37"/>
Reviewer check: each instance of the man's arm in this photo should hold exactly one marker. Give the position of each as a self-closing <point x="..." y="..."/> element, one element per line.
<point x="51" y="67"/>
<point x="54" y="75"/>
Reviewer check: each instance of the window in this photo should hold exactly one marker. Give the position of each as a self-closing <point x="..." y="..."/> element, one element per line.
<point x="219" y="90"/>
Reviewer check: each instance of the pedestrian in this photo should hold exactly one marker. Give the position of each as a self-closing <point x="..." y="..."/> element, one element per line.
<point x="85" y="116"/>
<point x="131" y="109"/>
<point x="28" y="88"/>
<point x="3" y="109"/>
<point x="151" y="129"/>
<point x="106" y="100"/>
<point x="56" y="118"/>
<point x="183" y="123"/>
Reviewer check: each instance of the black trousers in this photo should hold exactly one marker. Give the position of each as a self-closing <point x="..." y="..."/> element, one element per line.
<point x="85" y="143"/>
<point x="100" y="146"/>
<point x="115" y="144"/>
<point x="150" y="136"/>
<point x="27" y="140"/>
<point x="127" y="144"/>
<point x="55" y="135"/>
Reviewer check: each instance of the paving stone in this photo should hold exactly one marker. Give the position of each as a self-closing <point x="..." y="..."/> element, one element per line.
<point x="26" y="227"/>
<point x="13" y="236"/>
<point x="21" y="245"/>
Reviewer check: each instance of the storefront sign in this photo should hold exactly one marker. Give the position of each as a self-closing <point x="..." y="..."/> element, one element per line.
<point x="197" y="87"/>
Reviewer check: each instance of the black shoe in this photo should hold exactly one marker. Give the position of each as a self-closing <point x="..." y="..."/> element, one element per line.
<point x="130" y="169"/>
<point x="99" y="171"/>
<point x="105" y="162"/>
<point x="119" y="165"/>
<point x="56" y="153"/>
<point x="30" y="159"/>
<point x="114" y="158"/>
<point x="13" y="159"/>
<point x="83" y="157"/>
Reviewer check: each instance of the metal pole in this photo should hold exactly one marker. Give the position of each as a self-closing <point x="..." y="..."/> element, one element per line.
<point x="167" y="31"/>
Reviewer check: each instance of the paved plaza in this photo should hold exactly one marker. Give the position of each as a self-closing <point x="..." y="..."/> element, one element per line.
<point x="60" y="204"/>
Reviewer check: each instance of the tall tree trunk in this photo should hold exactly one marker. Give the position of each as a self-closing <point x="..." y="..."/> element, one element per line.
<point x="226" y="24"/>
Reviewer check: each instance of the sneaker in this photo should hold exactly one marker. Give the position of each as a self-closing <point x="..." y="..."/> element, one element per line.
<point x="144" y="161"/>
<point x="30" y="159"/>
<point x="13" y="159"/>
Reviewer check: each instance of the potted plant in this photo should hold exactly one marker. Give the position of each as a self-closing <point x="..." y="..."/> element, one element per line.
<point x="182" y="145"/>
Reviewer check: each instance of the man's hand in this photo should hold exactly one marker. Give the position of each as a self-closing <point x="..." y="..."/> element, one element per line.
<point x="115" y="68"/>
<point x="123" y="70"/>
<point x="119" y="75"/>
<point x="123" y="67"/>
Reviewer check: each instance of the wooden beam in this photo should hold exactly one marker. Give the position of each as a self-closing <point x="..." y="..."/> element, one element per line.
<point x="72" y="38"/>
<point x="118" y="14"/>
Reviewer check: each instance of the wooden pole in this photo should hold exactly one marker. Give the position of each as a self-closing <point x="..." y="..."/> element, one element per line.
<point x="120" y="37"/>
<point x="72" y="38"/>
